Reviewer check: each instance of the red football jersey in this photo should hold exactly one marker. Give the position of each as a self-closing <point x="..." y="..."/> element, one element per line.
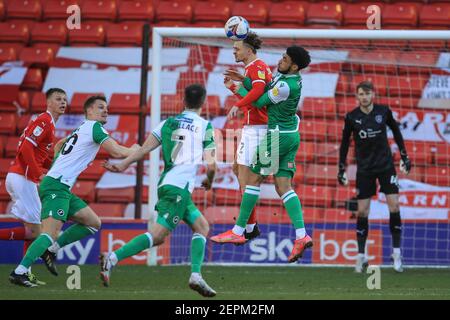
<point x="257" y="71"/>
<point x="40" y="133"/>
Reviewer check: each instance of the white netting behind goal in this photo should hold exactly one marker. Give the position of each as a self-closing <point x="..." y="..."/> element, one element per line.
<point x="412" y="77"/>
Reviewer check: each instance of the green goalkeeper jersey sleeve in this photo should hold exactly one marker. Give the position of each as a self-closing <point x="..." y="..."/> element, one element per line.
<point x="281" y="98"/>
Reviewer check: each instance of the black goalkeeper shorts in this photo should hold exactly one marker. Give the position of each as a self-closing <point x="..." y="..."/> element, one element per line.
<point x="366" y="185"/>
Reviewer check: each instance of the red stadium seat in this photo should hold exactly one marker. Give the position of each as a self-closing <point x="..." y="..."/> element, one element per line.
<point x="379" y="82"/>
<point x="327" y="153"/>
<point x="11" y="147"/>
<point x="124" y="103"/>
<point x="306" y="152"/>
<point x="416" y="173"/>
<point x="318" y="108"/>
<point x="355" y="14"/>
<point x="399" y="15"/>
<point x="326" y="12"/>
<point x="55" y="32"/>
<point x="175" y="10"/>
<point x="92" y="33"/>
<point x="435" y="15"/>
<point x="398" y="102"/>
<point x="343" y="194"/>
<point x="170" y="104"/>
<point x="442" y="154"/>
<point x="124" y="34"/>
<point x="227" y="197"/>
<point x="315" y="196"/>
<point x="346" y="104"/>
<point x="419" y="153"/>
<point x="188" y="78"/>
<point x="108" y="210"/>
<point x="24" y="9"/>
<point x="7" y="53"/>
<point x="85" y="190"/>
<point x="381" y="61"/>
<point x="2" y="146"/>
<point x="116" y="195"/>
<point x="38" y="102"/>
<point x="343" y="85"/>
<point x="313" y="130"/>
<point x="2" y="10"/>
<point x="77" y="102"/>
<point x="407" y="85"/>
<point x="323" y="175"/>
<point x="99" y="10"/>
<point x="427" y="45"/>
<point x="212" y="11"/>
<point x="136" y="10"/>
<point x="23" y="122"/>
<point x="57" y="9"/>
<point x="202" y="198"/>
<point x="8" y="123"/>
<point x="33" y="79"/>
<point x="439" y="176"/>
<point x="37" y="57"/>
<point x="288" y="12"/>
<point x="299" y="175"/>
<point x="212" y="107"/>
<point x="253" y="11"/>
<point x="14" y="32"/>
<point x="334" y="131"/>
<point x="4" y="167"/>
<point x="417" y="61"/>
<point x="4" y="195"/>
<point x="94" y="171"/>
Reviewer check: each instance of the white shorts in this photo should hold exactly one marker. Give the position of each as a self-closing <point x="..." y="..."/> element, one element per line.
<point x="26" y="204"/>
<point x="250" y="139"/>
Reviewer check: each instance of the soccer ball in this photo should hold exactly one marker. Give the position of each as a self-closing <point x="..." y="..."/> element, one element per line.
<point x="237" y="28"/>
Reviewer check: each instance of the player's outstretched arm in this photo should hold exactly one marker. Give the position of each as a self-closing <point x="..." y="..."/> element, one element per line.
<point x="137" y="154"/>
<point x="343" y="151"/>
<point x="405" y="163"/>
<point x="115" y="150"/>
<point x="211" y="167"/>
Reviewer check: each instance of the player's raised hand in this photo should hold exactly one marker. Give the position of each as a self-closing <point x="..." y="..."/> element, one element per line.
<point x="234" y="75"/>
<point x="233" y="113"/>
<point x="228" y="82"/>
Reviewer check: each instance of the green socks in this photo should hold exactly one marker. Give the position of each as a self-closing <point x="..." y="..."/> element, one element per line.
<point x="249" y="199"/>
<point x="36" y="249"/>
<point x="197" y="252"/>
<point x="293" y="208"/>
<point x="74" y="233"/>
<point x="136" y="245"/>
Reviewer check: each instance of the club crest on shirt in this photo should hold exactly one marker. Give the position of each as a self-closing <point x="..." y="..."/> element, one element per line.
<point x="379" y="118"/>
<point x="37" y="131"/>
<point x="275" y="91"/>
<point x="261" y="75"/>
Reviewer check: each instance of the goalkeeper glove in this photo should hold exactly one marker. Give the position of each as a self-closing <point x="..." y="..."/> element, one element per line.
<point x="342" y="176"/>
<point x="405" y="164"/>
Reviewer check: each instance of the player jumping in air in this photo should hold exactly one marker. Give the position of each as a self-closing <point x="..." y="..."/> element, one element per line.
<point x="374" y="161"/>
<point x="276" y="154"/>
<point x="185" y="139"/>
<point x="73" y="155"/>
<point x="33" y="156"/>
<point x="255" y="119"/>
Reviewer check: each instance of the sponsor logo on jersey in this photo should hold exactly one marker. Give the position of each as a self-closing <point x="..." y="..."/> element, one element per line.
<point x="176" y="219"/>
<point x="379" y="118"/>
<point x="290" y="165"/>
<point x="37" y="131"/>
<point x="261" y="75"/>
<point x="358" y="121"/>
<point x="53" y="196"/>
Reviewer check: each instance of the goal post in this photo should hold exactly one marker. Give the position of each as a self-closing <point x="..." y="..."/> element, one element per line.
<point x="317" y="168"/>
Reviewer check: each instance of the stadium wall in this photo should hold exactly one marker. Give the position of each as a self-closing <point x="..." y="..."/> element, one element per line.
<point x="425" y="244"/>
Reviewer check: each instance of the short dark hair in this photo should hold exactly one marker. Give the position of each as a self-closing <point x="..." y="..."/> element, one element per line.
<point x="51" y="91"/>
<point x="194" y="96"/>
<point x="253" y="41"/>
<point x="299" y="56"/>
<point x="365" y="85"/>
<point x="91" y="100"/>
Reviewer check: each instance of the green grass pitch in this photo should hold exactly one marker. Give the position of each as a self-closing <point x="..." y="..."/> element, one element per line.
<point x="231" y="283"/>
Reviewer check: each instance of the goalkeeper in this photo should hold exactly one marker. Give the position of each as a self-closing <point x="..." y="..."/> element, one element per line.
<point x="374" y="161"/>
<point x="276" y="153"/>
